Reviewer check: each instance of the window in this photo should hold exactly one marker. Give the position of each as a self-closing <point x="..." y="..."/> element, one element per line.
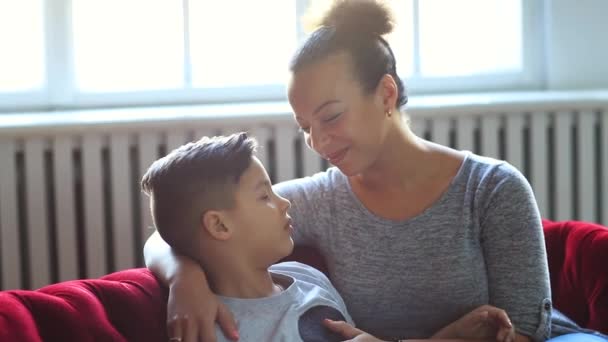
<point x="469" y="45"/>
<point x="21" y="65"/>
<point x="249" y="47"/>
<point x="465" y="45"/>
<point x="126" y="46"/>
<point x="89" y="53"/>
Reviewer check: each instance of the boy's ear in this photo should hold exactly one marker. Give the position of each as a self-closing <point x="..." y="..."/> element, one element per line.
<point x="213" y="222"/>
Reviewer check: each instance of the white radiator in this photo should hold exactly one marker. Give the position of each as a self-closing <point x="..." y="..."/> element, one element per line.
<point x="70" y="204"/>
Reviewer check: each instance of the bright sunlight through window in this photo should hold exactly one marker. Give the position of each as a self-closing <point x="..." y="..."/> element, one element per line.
<point x="236" y="43"/>
<point x="133" y="45"/>
<point x="468" y="37"/>
<point x="401" y="39"/>
<point x="116" y="52"/>
<point x="22" y="42"/>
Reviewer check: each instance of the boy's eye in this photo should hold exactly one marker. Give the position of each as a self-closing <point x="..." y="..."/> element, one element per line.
<point x="265" y="197"/>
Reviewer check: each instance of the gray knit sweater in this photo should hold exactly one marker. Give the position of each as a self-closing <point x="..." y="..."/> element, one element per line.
<point x="480" y="243"/>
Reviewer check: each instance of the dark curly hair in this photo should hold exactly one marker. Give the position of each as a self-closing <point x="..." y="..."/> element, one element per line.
<point x="356" y="27"/>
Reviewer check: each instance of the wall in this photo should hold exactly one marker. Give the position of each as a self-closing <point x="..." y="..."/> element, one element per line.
<point x="577" y="44"/>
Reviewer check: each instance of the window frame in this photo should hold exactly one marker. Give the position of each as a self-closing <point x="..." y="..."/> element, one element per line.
<point x="59" y="92"/>
<point x="529" y="78"/>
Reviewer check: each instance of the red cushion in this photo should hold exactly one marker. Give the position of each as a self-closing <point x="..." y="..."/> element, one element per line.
<point x="123" y="306"/>
<point x="578" y="266"/>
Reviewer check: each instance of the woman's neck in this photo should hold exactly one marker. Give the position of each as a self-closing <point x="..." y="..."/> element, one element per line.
<point x="403" y="161"/>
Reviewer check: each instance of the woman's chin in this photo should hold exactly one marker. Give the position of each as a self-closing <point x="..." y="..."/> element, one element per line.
<point x="348" y="168"/>
<point x="346" y="171"/>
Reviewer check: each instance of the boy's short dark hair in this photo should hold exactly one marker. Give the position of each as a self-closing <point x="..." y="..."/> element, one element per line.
<point x="191" y="180"/>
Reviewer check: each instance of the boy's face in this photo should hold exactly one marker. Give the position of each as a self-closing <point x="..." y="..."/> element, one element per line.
<point x="261" y="225"/>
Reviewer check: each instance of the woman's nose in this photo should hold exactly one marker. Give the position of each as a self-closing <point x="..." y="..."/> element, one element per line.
<point x="317" y="140"/>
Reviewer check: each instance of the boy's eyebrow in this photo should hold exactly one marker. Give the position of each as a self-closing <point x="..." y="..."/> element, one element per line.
<point x="263" y="183"/>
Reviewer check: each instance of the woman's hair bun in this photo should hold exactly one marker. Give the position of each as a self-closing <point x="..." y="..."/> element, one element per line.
<point x="358" y="17"/>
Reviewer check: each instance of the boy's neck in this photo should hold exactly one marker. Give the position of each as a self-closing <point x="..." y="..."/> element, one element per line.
<point x="242" y="281"/>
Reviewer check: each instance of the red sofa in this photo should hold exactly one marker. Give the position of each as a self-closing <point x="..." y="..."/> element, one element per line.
<point x="578" y="266"/>
<point x="131" y="305"/>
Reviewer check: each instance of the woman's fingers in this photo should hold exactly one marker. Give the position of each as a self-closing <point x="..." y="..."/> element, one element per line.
<point x="207" y="331"/>
<point x="174" y="329"/>
<point x="504" y="328"/>
<point x="190" y="329"/>
<point x="505" y="335"/>
<point x="501" y="335"/>
<point x="342" y="328"/>
<point x="509" y="335"/>
<point x="177" y="329"/>
<point x="500" y="318"/>
<point x="226" y="321"/>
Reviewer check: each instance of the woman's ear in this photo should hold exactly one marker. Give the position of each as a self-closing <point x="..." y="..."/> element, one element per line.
<point x="388" y="91"/>
<point x="214" y="223"/>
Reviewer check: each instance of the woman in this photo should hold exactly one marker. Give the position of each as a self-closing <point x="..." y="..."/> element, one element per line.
<point x="415" y="234"/>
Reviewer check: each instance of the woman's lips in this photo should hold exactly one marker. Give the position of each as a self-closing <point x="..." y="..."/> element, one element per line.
<point x="337" y="157"/>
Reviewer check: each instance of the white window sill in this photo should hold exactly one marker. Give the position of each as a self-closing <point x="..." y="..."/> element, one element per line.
<point x="245" y="113"/>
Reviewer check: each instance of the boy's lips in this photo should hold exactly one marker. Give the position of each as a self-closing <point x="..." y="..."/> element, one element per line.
<point x="288" y="224"/>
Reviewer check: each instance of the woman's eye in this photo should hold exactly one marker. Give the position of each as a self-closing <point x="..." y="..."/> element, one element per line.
<point x="265" y="197"/>
<point x="332" y="118"/>
<point x="304" y="130"/>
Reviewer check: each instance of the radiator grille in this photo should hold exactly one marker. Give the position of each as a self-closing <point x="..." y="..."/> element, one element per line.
<point x="70" y="204"/>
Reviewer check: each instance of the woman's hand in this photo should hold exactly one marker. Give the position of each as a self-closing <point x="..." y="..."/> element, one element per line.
<point x="349" y="332"/>
<point x="485" y="322"/>
<point x="193" y="310"/>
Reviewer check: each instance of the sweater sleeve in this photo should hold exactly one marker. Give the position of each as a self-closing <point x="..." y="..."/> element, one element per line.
<point x="514" y="250"/>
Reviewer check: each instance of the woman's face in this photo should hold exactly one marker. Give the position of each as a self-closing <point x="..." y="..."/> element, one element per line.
<point x="339" y="121"/>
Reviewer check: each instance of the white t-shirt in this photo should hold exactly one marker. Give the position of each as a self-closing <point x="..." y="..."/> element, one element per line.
<point x="295" y="314"/>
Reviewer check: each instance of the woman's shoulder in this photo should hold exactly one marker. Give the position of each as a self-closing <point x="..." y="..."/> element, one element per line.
<point x="330" y="180"/>
<point x="490" y="176"/>
<point x="487" y="170"/>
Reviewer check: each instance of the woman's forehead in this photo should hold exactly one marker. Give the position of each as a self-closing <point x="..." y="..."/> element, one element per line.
<point x="319" y="83"/>
<point x="338" y="64"/>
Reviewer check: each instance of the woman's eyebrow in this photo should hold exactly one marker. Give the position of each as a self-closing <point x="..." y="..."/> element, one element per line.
<point x="326" y="103"/>
<point x="323" y="105"/>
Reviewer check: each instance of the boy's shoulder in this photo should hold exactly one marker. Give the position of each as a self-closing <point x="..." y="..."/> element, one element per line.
<point x="313" y="281"/>
<point x="302" y="273"/>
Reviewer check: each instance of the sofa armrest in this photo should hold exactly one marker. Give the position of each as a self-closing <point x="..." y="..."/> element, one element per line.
<point x="577" y="253"/>
<point x="124" y="306"/>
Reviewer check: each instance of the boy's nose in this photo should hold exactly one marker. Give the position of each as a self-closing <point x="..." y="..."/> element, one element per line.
<point x="286" y="203"/>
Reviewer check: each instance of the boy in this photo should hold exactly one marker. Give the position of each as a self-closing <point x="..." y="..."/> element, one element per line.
<point x="212" y="200"/>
